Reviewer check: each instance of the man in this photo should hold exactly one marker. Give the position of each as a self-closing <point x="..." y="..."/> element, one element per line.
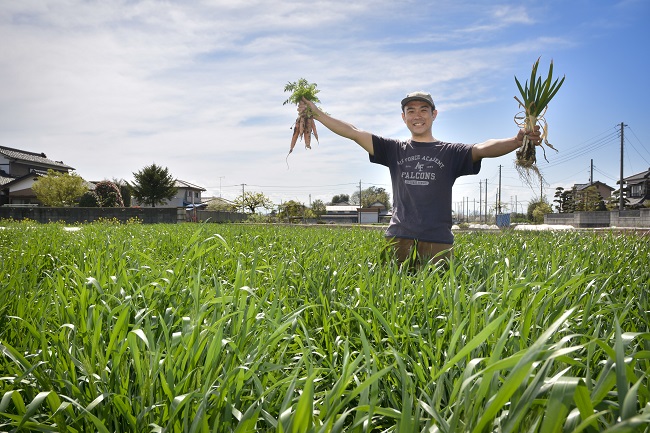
<point x="423" y="170"/>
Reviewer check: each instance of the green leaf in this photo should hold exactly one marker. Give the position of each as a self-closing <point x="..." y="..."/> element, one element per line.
<point x="630" y="403"/>
<point x="303" y="416"/>
<point x="301" y="89"/>
<point x="472" y="344"/>
<point x="621" y="379"/>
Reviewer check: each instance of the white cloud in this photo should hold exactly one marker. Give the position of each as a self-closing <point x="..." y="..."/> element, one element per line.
<point x="197" y="86"/>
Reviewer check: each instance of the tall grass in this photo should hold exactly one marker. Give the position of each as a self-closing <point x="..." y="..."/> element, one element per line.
<point x="185" y="328"/>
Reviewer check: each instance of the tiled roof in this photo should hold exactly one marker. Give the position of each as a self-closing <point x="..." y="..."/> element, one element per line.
<point x="638" y="176"/>
<point x="5" y="179"/>
<point x="182" y="184"/>
<point x="39" y="158"/>
<point x="581" y="186"/>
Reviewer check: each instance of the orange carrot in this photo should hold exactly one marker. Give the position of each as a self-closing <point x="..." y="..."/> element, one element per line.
<point x="302" y="125"/>
<point x="307" y="133"/>
<point x="313" y="127"/>
<point x="296" y="132"/>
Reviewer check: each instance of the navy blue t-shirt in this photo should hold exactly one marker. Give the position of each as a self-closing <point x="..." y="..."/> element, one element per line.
<point x="422" y="176"/>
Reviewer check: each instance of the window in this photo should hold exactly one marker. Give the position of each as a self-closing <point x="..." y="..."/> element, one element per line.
<point x="636" y="190"/>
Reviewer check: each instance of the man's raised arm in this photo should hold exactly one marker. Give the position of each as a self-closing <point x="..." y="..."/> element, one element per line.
<point x="339" y="127"/>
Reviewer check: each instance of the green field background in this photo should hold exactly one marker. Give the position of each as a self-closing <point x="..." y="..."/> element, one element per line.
<point x="206" y="328"/>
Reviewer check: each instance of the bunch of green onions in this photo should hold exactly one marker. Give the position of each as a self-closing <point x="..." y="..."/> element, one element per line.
<point x="534" y="100"/>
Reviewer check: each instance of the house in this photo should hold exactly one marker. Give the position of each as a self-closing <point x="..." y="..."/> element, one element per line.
<point x="580" y="191"/>
<point x="374" y="213"/>
<point x="638" y="189"/>
<point x="19" y="169"/>
<point x="345" y="213"/>
<point x="187" y="195"/>
<point x="218" y="203"/>
<point x="341" y="213"/>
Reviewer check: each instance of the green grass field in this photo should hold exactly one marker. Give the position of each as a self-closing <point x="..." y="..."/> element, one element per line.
<point x="219" y="328"/>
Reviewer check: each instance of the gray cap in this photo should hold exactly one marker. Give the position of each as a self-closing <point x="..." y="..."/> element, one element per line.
<point x="419" y="96"/>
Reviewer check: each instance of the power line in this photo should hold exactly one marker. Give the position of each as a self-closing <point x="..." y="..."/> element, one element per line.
<point x="637" y="139"/>
<point x="585" y="148"/>
<point x="605" y="174"/>
<point x="296" y="186"/>
<point x="633" y="147"/>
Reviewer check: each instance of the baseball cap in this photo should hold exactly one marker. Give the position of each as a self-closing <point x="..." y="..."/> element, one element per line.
<point x="419" y="96"/>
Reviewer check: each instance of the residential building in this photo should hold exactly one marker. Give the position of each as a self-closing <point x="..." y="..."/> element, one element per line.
<point x="580" y="193"/>
<point x="346" y="213"/>
<point x="218" y="203"/>
<point x="19" y="169"/>
<point x="187" y="195"/>
<point x="638" y="189"/>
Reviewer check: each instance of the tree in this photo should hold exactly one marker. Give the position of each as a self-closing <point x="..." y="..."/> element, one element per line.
<point x="125" y="191"/>
<point x="252" y="201"/>
<point x="291" y="209"/>
<point x="559" y="191"/>
<point x="614" y="200"/>
<point x="153" y="185"/>
<point x="89" y="199"/>
<point x="318" y="208"/>
<point x="108" y="194"/>
<point x="564" y="200"/>
<point x="59" y="189"/>
<point x="340" y="198"/>
<point x="371" y="195"/>
<point x="589" y="200"/>
<point x="537" y="210"/>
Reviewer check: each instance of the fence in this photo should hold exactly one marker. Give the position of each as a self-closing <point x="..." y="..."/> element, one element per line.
<point x="216" y="216"/>
<point x="72" y="215"/>
<point x="639" y="218"/>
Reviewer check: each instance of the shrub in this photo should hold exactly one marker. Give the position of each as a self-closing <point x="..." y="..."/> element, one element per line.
<point x="108" y="194"/>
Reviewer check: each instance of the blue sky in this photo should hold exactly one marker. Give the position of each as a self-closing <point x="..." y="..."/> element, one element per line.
<point x="109" y="87"/>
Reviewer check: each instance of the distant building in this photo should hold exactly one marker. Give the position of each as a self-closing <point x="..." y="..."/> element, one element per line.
<point x="346" y="213"/>
<point x="19" y="169"/>
<point x="187" y="195"/>
<point x="579" y="191"/>
<point x="218" y="202"/>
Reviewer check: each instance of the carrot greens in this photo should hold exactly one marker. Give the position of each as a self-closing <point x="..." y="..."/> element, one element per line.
<point x="535" y="97"/>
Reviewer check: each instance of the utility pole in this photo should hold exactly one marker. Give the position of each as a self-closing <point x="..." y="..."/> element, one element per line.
<point x="220" y="177"/>
<point x="463" y="209"/>
<point x="360" y="205"/>
<point x="621" y="204"/>
<point x="480" y="199"/>
<point x="591" y="173"/>
<point x="499" y="198"/>
<point x="243" y="194"/>
<point x="485" y="201"/>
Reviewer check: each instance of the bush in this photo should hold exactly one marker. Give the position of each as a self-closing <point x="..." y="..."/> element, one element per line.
<point x="89" y="199"/>
<point x="108" y="194"/>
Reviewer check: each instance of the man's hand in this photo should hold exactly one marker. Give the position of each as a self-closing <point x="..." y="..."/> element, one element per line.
<point x="308" y="106"/>
<point x="534" y="137"/>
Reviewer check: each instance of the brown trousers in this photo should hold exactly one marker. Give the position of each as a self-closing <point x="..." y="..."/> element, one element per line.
<point x="425" y="252"/>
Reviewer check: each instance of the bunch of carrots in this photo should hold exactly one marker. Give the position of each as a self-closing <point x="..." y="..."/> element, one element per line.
<point x="305" y="125"/>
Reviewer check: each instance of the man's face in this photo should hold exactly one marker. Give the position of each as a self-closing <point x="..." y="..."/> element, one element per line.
<point x="418" y="117"/>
